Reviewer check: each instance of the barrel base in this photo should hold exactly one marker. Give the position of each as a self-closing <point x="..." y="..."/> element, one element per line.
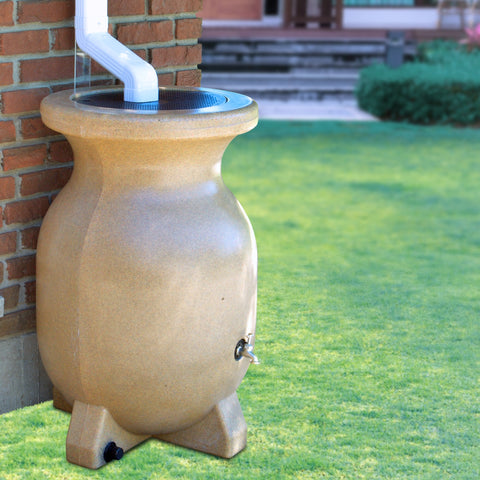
<point x="223" y="432"/>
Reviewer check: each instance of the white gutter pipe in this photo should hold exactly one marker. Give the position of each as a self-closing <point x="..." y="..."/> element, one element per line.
<point x="91" y="32"/>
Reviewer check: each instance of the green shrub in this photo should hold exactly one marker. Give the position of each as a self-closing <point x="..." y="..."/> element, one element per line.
<point x="438" y="51"/>
<point x="442" y="86"/>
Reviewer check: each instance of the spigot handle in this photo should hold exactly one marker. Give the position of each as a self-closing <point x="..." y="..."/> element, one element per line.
<point x="245" y="349"/>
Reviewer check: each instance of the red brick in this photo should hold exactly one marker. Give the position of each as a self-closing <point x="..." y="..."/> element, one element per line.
<point x="189" y="78"/>
<point x="46" y="69"/>
<point x="188" y="28"/>
<point x="97" y="69"/>
<point x="179" y="55"/>
<point x="146" y="32"/>
<point x="1" y="268"/>
<point x="61" y="152"/>
<point x="30" y="41"/>
<point x="23" y="157"/>
<point x="6" y="73"/>
<point x="8" y="243"/>
<point x="17" y="323"/>
<point x="10" y="294"/>
<point x="6" y="13"/>
<point x="30" y="292"/>
<point x="35" y="128"/>
<point x="7" y="131"/>
<point x="26" y="211"/>
<point x="166" y="7"/>
<point x="166" y="79"/>
<point x="64" y="38"/>
<point x="19" y="101"/>
<point x="45" y="11"/>
<point x="7" y="188"/>
<point x="44" y="181"/>
<point x="30" y="238"/>
<point x="126" y="7"/>
<point x="141" y="52"/>
<point x="21" y="267"/>
<point x="1" y="225"/>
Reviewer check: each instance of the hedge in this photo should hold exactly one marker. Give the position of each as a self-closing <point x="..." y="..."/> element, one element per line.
<point x="442" y="86"/>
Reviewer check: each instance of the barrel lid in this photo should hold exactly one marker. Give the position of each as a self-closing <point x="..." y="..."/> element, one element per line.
<point x="181" y="112"/>
<point x="197" y="101"/>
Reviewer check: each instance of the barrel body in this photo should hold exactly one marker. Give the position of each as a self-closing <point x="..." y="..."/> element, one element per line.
<point x="146" y="281"/>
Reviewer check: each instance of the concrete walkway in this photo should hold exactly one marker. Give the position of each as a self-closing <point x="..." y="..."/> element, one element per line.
<point x="346" y="110"/>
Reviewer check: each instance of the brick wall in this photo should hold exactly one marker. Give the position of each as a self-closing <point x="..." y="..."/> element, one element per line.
<point x="36" y="59"/>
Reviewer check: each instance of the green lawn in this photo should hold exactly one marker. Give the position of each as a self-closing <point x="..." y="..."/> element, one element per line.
<point x="368" y="322"/>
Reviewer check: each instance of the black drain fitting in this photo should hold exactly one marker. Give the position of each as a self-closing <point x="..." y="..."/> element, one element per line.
<point x="112" y="452"/>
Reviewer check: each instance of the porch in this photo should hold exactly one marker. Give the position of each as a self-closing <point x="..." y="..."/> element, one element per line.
<point x="291" y="71"/>
<point x="308" y="64"/>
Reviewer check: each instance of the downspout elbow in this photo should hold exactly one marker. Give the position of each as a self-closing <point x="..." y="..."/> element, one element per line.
<point x="139" y="77"/>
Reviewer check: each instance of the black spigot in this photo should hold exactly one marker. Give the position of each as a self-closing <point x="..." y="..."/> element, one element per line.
<point x="112" y="452"/>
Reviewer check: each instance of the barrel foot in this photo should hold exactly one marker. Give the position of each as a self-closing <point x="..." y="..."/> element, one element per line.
<point x="94" y="438"/>
<point x="223" y="432"/>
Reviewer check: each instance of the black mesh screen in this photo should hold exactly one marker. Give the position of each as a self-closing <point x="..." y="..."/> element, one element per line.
<point x="168" y="100"/>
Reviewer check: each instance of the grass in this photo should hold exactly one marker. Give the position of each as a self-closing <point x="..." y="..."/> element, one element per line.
<point x="369" y="303"/>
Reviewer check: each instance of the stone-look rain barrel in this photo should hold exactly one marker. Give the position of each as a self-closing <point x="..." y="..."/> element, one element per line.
<point x="147" y="273"/>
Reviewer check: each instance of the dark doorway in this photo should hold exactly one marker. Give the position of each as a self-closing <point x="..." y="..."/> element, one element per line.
<point x="272" y="7"/>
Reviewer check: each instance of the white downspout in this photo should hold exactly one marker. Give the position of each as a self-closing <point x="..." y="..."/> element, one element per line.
<point x="91" y="32"/>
